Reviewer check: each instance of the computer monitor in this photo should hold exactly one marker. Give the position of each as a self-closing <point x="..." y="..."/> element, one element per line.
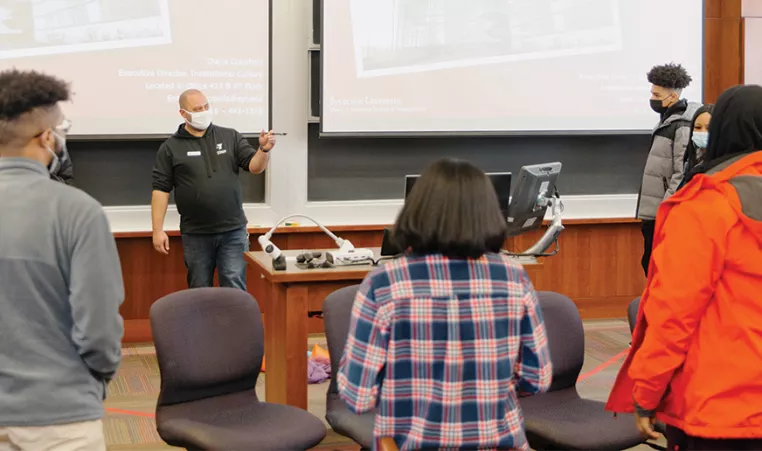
<point x="535" y="186"/>
<point x="500" y="180"/>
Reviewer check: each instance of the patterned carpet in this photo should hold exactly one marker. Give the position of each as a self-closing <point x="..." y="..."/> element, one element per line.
<point x="129" y="423"/>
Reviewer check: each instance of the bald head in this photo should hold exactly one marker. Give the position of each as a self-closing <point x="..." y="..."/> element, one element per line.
<point x="193" y="100"/>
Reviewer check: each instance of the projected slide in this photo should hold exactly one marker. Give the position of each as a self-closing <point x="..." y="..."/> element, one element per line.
<point x="129" y="60"/>
<point x="31" y="28"/>
<point x="499" y="65"/>
<point x="410" y="36"/>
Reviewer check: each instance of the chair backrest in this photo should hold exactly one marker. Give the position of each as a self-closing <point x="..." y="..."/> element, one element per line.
<point x="632" y="313"/>
<point x="337" y="312"/>
<point x="209" y="342"/>
<point x="566" y="338"/>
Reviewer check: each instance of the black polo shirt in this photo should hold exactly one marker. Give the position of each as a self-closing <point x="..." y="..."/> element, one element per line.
<point x="203" y="171"/>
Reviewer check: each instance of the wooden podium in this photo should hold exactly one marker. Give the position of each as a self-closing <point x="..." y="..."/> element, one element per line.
<point x="286" y="298"/>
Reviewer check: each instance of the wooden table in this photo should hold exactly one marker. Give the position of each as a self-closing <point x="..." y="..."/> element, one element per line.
<point x="285" y="298"/>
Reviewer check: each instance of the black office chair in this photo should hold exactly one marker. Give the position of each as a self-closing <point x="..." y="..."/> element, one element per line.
<point x="560" y="419"/>
<point x="632" y="313"/>
<point x="337" y="311"/>
<point x="209" y="344"/>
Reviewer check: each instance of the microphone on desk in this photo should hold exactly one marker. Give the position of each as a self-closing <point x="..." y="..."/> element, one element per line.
<point x="279" y="260"/>
<point x="346" y="254"/>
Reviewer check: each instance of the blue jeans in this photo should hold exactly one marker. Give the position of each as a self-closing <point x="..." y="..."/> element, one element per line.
<point x="223" y="251"/>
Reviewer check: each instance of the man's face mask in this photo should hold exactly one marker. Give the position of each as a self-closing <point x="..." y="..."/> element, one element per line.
<point x="658" y="104"/>
<point x="60" y="153"/>
<point x="200" y="120"/>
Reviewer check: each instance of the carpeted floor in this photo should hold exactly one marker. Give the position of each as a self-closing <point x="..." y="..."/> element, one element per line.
<point x="129" y="423"/>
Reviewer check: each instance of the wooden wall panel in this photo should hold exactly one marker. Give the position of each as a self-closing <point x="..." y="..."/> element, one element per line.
<point x="723" y="47"/>
<point x="597" y="266"/>
<point x="724" y="8"/>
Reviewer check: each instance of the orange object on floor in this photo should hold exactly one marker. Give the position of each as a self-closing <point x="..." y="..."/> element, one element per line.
<point x="319" y="353"/>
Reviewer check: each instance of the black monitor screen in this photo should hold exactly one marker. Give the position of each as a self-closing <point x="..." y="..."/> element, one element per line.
<point x="500" y="180"/>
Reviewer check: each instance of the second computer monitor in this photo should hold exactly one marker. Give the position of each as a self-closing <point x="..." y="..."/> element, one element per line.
<point x="500" y="180"/>
<point x="535" y="185"/>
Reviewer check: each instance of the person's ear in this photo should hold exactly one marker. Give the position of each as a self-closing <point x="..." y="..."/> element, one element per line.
<point x="48" y="140"/>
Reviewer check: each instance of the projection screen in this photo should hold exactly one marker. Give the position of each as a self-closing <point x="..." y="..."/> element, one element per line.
<point x="129" y="60"/>
<point x="501" y="66"/>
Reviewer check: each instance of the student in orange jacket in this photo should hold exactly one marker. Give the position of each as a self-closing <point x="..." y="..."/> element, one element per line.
<point x="696" y="357"/>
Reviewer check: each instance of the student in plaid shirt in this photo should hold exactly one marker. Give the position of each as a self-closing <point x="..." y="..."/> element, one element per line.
<point x="442" y="338"/>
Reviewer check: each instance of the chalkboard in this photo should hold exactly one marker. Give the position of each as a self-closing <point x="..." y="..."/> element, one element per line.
<point x="342" y="169"/>
<point x="118" y="173"/>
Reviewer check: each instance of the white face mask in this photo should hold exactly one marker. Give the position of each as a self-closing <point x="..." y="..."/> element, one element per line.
<point x="200" y="120"/>
<point x="701" y="139"/>
<point x="59" y="155"/>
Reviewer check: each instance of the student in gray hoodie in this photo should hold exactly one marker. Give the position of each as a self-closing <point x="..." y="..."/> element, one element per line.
<point x="664" y="166"/>
<point x="60" y="281"/>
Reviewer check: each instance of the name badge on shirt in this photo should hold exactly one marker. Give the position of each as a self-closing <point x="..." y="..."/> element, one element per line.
<point x="195" y="153"/>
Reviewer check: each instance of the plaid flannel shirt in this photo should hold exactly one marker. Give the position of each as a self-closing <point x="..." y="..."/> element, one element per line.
<point x="439" y="348"/>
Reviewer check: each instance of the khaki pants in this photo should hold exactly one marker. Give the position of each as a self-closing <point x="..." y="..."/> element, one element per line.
<point x="83" y="436"/>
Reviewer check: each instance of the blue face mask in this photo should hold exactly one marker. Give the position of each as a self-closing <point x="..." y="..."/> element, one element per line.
<point x="701" y="139"/>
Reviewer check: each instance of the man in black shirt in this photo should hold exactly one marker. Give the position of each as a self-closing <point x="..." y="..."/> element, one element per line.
<point x="201" y="163"/>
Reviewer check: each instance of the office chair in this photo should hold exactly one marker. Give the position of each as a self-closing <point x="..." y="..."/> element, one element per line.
<point x="337" y="311"/>
<point x="632" y="313"/>
<point x="209" y="344"/>
<point x="560" y="419"/>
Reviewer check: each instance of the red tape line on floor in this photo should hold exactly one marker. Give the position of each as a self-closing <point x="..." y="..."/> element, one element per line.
<point x="603" y="366"/>
<point x="131" y="412"/>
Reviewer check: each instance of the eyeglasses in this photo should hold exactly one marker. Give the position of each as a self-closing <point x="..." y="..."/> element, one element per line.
<point x="64" y="126"/>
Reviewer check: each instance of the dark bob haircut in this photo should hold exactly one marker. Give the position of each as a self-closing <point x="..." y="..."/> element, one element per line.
<point x="670" y="76"/>
<point x="452" y="210"/>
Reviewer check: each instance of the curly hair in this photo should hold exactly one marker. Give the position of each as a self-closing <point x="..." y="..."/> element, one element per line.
<point x="25" y="91"/>
<point x="671" y="76"/>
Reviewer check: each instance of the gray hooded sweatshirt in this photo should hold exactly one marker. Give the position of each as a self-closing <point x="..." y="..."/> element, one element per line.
<point x="60" y="291"/>
<point x="665" y="164"/>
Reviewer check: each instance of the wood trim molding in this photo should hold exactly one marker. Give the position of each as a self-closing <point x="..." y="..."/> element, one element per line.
<point x="364" y="228"/>
<point x="598" y="267"/>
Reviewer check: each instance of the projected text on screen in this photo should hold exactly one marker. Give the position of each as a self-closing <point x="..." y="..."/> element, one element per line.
<point x="129" y="61"/>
